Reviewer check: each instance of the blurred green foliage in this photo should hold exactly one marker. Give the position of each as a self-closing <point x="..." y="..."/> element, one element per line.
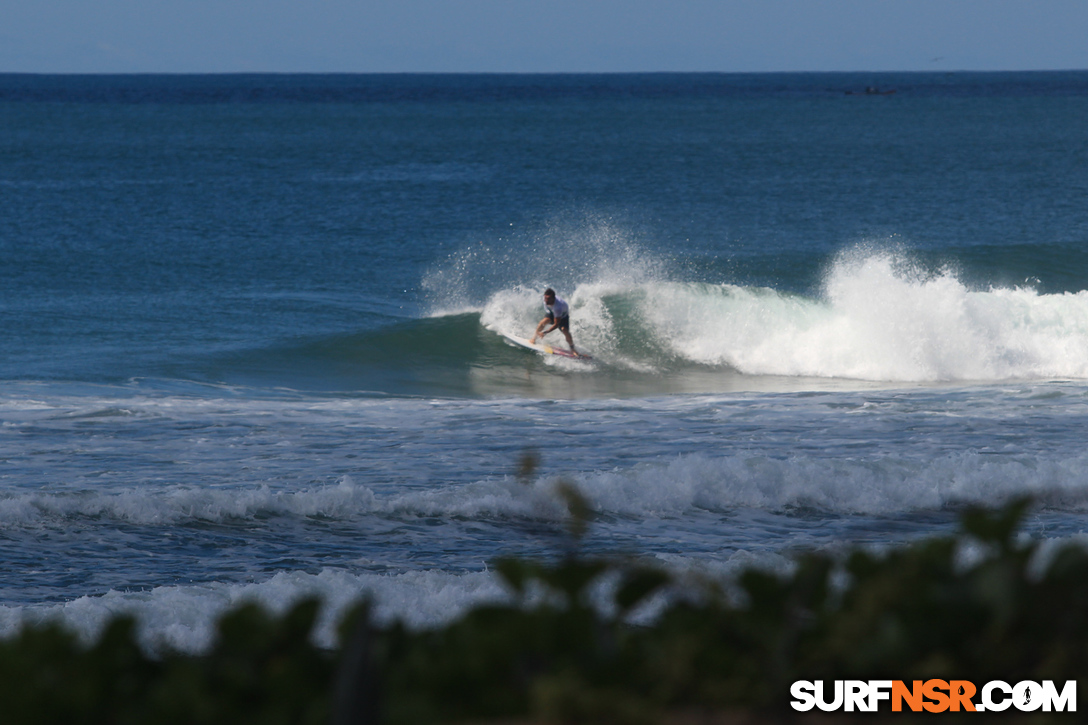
<point x="261" y="669"/>
<point x="979" y="605"/>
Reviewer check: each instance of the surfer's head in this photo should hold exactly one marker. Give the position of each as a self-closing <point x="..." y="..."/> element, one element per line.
<point x="549" y="295"/>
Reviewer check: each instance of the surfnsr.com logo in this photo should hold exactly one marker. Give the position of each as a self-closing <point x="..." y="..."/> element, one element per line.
<point x="933" y="696"/>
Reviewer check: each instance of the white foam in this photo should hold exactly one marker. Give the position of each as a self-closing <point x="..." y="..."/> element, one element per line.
<point x="877" y="485"/>
<point x="167" y="505"/>
<point x="871" y="484"/>
<point x="183" y="617"/>
<point x="880" y="319"/>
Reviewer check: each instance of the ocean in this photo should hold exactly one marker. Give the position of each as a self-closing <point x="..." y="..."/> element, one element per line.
<point x="251" y="347"/>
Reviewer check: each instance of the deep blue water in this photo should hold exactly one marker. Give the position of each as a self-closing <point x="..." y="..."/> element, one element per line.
<point x="250" y="326"/>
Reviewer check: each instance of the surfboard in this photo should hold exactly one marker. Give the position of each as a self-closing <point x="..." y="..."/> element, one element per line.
<point x="543" y="349"/>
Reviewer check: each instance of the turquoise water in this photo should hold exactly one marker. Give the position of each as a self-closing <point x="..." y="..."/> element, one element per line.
<point x="250" y="326"/>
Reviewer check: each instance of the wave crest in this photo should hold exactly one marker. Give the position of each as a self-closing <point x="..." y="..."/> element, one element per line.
<point x="878" y="318"/>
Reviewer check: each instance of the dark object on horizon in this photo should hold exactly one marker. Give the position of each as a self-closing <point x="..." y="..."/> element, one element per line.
<point x="871" y="91"/>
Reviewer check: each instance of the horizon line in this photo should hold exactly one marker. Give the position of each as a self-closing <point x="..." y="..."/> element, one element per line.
<point x="533" y="73"/>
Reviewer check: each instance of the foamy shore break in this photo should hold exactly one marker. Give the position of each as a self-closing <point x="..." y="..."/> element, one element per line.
<point x="588" y="639"/>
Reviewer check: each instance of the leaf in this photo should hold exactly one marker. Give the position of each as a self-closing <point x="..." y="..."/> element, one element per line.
<point x="516" y="573"/>
<point x="637" y="586"/>
<point x="578" y="508"/>
<point x="527" y="466"/>
<point x="996" y="527"/>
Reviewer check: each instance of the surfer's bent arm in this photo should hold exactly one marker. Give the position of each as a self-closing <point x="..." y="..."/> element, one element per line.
<point x="540" y="331"/>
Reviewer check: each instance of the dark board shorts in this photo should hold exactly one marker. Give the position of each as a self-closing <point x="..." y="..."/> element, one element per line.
<point x="564" y="322"/>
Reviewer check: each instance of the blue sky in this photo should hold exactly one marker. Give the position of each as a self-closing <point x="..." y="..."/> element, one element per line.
<point x="544" y="36"/>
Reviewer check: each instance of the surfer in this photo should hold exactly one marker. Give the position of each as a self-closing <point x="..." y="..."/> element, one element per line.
<point x="558" y="316"/>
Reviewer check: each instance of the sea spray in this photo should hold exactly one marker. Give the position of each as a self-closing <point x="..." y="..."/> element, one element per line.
<point x="566" y="252"/>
